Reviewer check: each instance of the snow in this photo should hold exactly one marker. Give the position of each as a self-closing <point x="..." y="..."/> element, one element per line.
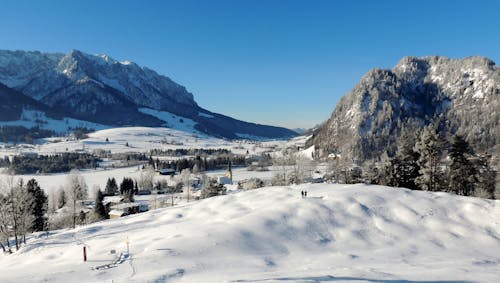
<point x="32" y="118"/>
<point x="172" y="120"/>
<point x="93" y="178"/>
<point x="478" y="94"/>
<point x="307" y="153"/>
<point x="201" y="114"/>
<point x="142" y="139"/>
<point x="114" y="83"/>
<point x="340" y="233"/>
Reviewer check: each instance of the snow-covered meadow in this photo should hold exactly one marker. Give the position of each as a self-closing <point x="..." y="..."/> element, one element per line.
<point x="98" y="178"/>
<point x="143" y="139"/>
<point x="339" y="233"/>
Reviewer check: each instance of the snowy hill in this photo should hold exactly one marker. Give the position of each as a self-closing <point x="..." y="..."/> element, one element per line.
<point x="340" y="233"/>
<point x="99" y="89"/>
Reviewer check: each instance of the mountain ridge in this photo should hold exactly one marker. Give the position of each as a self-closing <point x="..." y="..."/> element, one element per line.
<point x="100" y="89"/>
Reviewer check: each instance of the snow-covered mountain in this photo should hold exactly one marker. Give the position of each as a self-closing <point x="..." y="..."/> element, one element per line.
<point x="100" y="89"/>
<point x="339" y="233"/>
<point x="460" y="95"/>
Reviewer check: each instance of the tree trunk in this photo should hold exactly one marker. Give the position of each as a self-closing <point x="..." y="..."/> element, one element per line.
<point x="8" y="245"/>
<point x="17" y="243"/>
<point x="74" y="213"/>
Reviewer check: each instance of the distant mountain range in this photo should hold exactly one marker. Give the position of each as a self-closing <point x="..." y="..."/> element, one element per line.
<point x="459" y="95"/>
<point x="101" y="90"/>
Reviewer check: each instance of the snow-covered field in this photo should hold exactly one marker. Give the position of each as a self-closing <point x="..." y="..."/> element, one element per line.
<point x="340" y="233"/>
<point x="143" y="139"/>
<point x="51" y="182"/>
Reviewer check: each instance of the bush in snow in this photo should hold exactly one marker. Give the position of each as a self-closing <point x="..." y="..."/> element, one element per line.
<point x="212" y="188"/>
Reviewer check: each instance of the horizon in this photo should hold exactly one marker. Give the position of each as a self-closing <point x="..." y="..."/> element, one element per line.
<point x="258" y="61"/>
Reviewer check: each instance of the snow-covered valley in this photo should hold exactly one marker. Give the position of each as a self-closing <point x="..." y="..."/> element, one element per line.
<point x="339" y="233"/>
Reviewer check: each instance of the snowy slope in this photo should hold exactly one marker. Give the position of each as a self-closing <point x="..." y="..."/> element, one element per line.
<point x="33" y="118"/>
<point x="141" y="139"/>
<point x="172" y="121"/>
<point x="340" y="233"/>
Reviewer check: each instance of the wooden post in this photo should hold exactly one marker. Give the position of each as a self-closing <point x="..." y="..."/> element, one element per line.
<point x="84" y="253"/>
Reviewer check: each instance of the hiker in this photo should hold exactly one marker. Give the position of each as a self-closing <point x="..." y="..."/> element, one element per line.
<point x="305" y="193"/>
<point x="302" y="192"/>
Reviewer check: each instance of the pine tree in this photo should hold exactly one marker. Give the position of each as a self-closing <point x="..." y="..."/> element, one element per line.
<point x="403" y="168"/>
<point x="127" y="190"/>
<point x="39" y="205"/>
<point x="111" y="187"/>
<point x="462" y="173"/>
<point x="99" y="208"/>
<point x="429" y="150"/>
<point x="486" y="176"/>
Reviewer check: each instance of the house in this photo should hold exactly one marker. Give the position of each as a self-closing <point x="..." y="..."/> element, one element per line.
<point x="123" y="209"/>
<point x="116" y="213"/>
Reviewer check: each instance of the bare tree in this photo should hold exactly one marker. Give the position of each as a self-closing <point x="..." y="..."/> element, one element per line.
<point x="282" y="161"/>
<point x="185" y="174"/>
<point x="16" y="211"/>
<point x="146" y="179"/>
<point x="76" y="190"/>
<point x="5" y="221"/>
<point x="196" y="169"/>
<point x="302" y="168"/>
<point x="60" y="198"/>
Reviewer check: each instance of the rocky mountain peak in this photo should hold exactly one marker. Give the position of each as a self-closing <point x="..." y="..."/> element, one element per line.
<point x="100" y="89"/>
<point x="460" y="94"/>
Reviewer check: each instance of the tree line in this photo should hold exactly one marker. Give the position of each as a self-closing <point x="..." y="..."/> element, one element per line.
<point x="188" y="151"/>
<point x="18" y="134"/>
<point x="199" y="164"/>
<point x="64" y="162"/>
<point x="427" y="161"/>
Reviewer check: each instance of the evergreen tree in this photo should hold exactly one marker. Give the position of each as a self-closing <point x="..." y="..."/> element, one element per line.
<point x="403" y="168"/>
<point x="429" y="150"/>
<point x="99" y="208"/>
<point x="38" y="205"/>
<point x="486" y="178"/>
<point x="462" y="173"/>
<point x="111" y="187"/>
<point x="354" y="175"/>
<point x="127" y="190"/>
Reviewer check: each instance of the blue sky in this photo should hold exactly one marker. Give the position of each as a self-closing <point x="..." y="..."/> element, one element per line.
<point x="271" y="61"/>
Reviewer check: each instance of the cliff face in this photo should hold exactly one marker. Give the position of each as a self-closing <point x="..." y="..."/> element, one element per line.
<point x="461" y="95"/>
